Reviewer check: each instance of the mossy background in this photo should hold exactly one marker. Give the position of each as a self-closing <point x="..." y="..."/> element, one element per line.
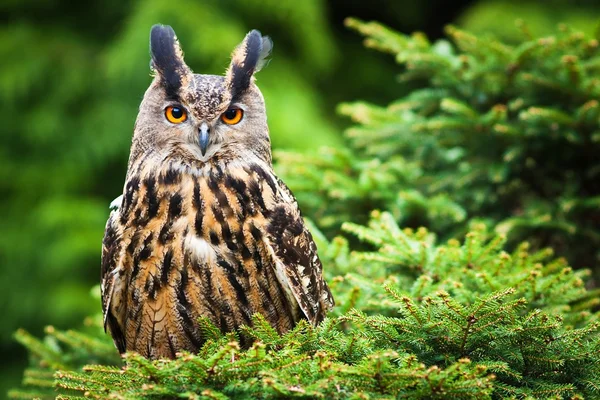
<point x="71" y="78"/>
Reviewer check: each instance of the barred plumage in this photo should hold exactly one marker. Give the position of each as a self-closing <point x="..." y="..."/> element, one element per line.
<point x="204" y="228"/>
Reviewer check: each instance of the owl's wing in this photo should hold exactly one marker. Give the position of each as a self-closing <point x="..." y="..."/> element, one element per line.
<point x="110" y="276"/>
<point x="296" y="257"/>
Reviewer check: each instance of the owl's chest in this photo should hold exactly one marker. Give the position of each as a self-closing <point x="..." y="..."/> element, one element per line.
<point x="194" y="245"/>
<point x="204" y="215"/>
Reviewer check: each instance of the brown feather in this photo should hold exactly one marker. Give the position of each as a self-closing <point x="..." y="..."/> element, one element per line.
<point x="227" y="272"/>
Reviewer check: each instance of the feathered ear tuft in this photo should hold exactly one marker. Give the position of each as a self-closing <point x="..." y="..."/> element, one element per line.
<point x="167" y="58"/>
<point x="247" y="58"/>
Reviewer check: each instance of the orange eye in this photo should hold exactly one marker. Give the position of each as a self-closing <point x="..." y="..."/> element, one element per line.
<point x="175" y="114"/>
<point x="232" y="116"/>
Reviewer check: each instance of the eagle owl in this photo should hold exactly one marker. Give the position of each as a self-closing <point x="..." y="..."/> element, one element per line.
<point x="204" y="228"/>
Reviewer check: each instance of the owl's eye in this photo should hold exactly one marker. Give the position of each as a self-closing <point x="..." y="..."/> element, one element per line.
<point x="232" y="116"/>
<point x="175" y="114"/>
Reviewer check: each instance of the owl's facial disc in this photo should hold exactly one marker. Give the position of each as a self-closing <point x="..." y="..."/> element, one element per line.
<point x="204" y="115"/>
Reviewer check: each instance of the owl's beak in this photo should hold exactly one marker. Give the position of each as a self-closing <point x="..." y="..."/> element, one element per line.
<point x="203" y="135"/>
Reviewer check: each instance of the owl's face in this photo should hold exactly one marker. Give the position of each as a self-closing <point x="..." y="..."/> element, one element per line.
<point x="191" y="117"/>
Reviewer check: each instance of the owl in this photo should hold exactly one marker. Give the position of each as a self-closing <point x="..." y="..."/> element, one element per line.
<point x="204" y="227"/>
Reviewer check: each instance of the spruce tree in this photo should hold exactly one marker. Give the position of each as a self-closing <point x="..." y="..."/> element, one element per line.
<point x="508" y="134"/>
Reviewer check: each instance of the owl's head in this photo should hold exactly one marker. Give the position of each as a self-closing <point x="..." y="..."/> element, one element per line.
<point x="194" y="117"/>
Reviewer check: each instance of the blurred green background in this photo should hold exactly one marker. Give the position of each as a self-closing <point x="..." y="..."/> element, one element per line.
<point x="71" y="78"/>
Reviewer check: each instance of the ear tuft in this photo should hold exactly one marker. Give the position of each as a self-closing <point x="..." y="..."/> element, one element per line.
<point x="167" y="58"/>
<point x="247" y="58"/>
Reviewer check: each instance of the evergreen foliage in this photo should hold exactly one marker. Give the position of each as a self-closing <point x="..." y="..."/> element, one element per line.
<point x="415" y="319"/>
<point x="494" y="141"/>
<point x="542" y="18"/>
<point x="508" y="134"/>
